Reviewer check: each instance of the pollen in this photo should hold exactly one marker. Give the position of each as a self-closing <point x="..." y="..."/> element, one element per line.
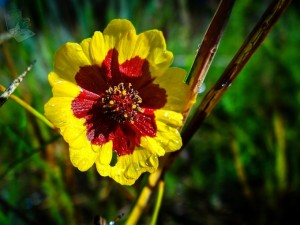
<point x="121" y="103"/>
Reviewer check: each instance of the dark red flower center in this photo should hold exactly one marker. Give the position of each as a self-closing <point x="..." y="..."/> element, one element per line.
<point x="118" y="102"/>
<point x="122" y="103"/>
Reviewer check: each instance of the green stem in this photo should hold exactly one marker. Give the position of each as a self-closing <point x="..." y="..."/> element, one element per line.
<point x="161" y="188"/>
<point x="29" y="109"/>
<point x="281" y="161"/>
<point x="145" y="194"/>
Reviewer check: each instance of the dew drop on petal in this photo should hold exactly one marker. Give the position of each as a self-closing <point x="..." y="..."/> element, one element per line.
<point x="137" y="167"/>
<point x="144" y="163"/>
<point x="82" y="164"/>
<point x="152" y="161"/>
<point x="96" y="148"/>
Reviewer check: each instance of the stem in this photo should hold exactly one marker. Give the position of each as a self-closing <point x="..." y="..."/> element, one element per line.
<point x="239" y="168"/>
<point x="202" y="62"/>
<point x="255" y="38"/>
<point x="144" y="196"/>
<point x="161" y="188"/>
<point x="196" y="76"/>
<point x="250" y="45"/>
<point x="208" y="49"/>
<point x="30" y="109"/>
<point x="281" y="165"/>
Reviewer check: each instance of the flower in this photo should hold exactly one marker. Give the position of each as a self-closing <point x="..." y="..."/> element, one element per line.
<point x="116" y="101"/>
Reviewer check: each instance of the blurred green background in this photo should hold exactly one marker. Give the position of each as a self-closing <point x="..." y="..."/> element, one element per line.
<point x="242" y="166"/>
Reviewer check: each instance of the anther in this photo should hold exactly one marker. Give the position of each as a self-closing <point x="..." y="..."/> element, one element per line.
<point x="121" y="103"/>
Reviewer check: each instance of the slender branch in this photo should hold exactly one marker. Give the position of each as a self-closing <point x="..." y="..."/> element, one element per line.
<point x="253" y="41"/>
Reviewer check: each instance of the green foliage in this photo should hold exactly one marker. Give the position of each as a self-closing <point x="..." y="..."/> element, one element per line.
<point x="241" y="167"/>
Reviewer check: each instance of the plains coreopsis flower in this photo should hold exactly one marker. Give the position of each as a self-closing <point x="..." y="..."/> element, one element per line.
<point x="116" y="101"/>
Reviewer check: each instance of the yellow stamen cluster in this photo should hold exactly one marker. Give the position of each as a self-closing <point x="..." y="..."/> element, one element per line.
<point x="121" y="102"/>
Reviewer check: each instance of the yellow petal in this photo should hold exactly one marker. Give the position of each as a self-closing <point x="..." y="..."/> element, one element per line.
<point x="178" y="92"/>
<point x="105" y="153"/>
<point x="85" y="45"/>
<point x="129" y="167"/>
<point x="58" y="111"/>
<point x="118" y="32"/>
<point x="98" y="48"/>
<point x="171" y="118"/>
<point x="134" y="165"/>
<point x="61" y="87"/>
<point x="68" y="59"/>
<point x="168" y="137"/>
<point x="152" y="145"/>
<point x="83" y="158"/>
<point x="151" y="46"/>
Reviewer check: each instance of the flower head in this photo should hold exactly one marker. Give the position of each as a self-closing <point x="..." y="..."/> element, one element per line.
<point x="116" y="101"/>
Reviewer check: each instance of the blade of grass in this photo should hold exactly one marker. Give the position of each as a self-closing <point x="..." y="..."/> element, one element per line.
<point x="252" y="42"/>
<point x="161" y="188"/>
<point x="144" y="197"/>
<point x="240" y="169"/>
<point x="24" y="157"/>
<point x="281" y="161"/>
